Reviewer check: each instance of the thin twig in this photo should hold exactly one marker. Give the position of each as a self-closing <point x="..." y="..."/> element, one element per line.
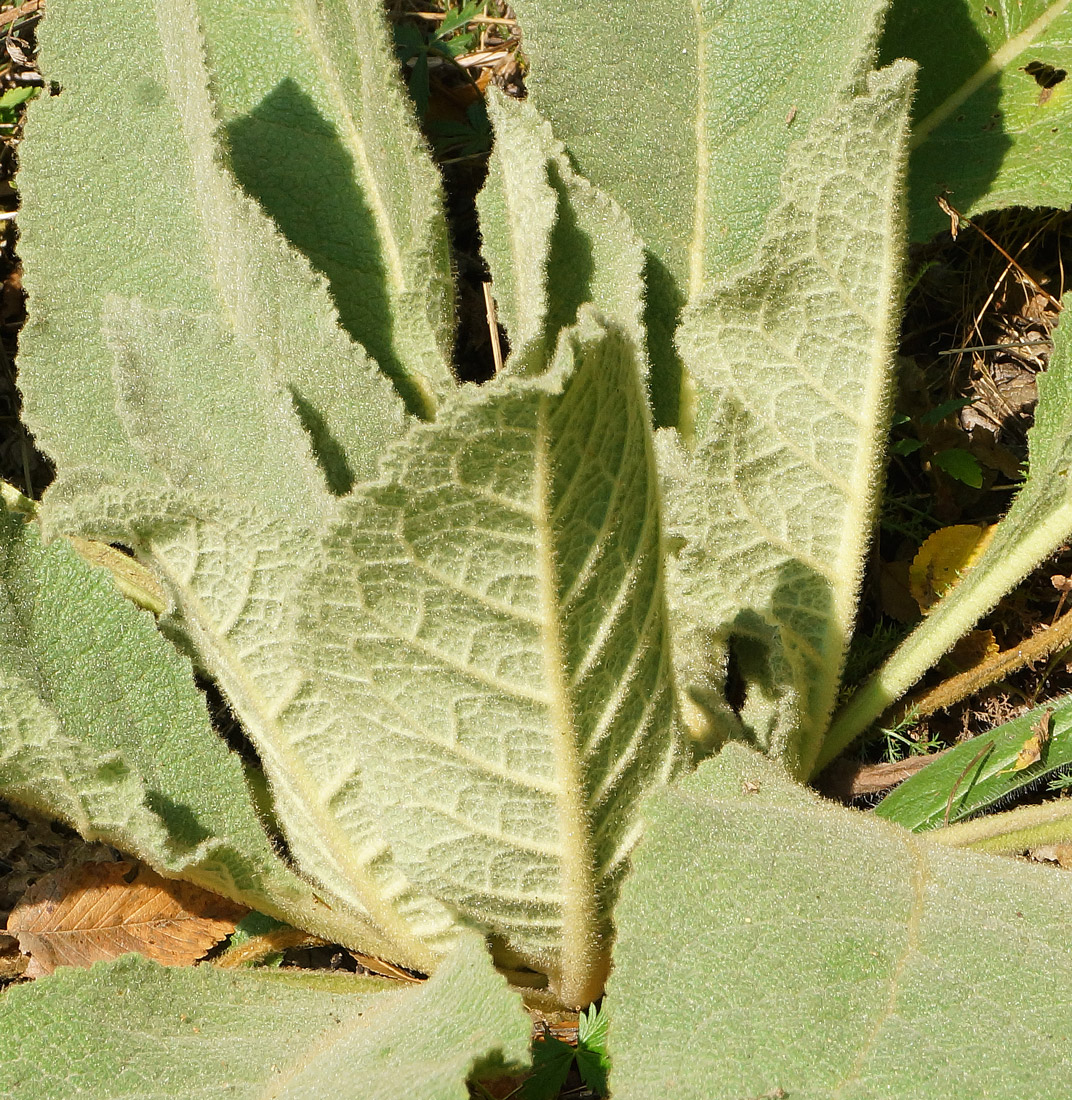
<point x="493" y="327"/>
<point x="13" y="14"/>
<point x="960" y="779"/>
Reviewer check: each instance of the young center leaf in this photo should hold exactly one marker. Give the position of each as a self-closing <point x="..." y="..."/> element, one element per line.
<point x="134" y="1029"/>
<point x="791" y="359"/>
<point x="553" y="241"/>
<point x="829" y="955"/>
<point x="491" y="616"/>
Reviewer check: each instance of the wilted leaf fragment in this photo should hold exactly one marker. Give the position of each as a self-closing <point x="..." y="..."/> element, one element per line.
<point x="829" y="955"/>
<point x="1034" y="748"/>
<point x="131" y="1029"/>
<point x="81" y="915"/>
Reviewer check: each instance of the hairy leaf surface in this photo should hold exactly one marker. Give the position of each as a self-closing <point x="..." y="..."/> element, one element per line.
<point x="149" y="268"/>
<point x="321" y="133"/>
<point x="562" y="242"/>
<point x="829" y="954"/>
<point x="492" y="617"/>
<point x="234" y="574"/>
<point x="792" y="362"/>
<point x="134" y="1029"/>
<point x="682" y="113"/>
<point x="102" y="726"/>
<point x="993" y="113"/>
<point x="1039" y="520"/>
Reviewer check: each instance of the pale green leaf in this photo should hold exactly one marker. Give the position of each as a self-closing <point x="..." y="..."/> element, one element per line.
<point x="683" y="113"/>
<point x="770" y="941"/>
<point x="132" y="1029"/>
<point x="102" y="726"/>
<point x="553" y="242"/>
<point x="151" y="228"/>
<point x="234" y="573"/>
<point x="492" y="617"/>
<point x="987" y="133"/>
<point x="1039" y="520"/>
<point x="792" y="361"/>
<point x="320" y="131"/>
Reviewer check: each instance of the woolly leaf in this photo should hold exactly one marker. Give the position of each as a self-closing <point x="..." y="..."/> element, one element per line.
<point x="234" y="575"/>
<point x="563" y="242"/>
<point x="319" y="130"/>
<point x="829" y="954"/>
<point x="688" y="128"/>
<point x="792" y="362"/>
<point x="491" y="617"/>
<point x="166" y="292"/>
<point x="134" y="1029"/>
<point x="102" y="726"/>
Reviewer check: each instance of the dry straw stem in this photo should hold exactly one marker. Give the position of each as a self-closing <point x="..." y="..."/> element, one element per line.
<point x="950" y="692"/>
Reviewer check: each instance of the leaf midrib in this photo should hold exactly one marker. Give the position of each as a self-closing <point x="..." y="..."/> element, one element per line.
<point x="579" y="976"/>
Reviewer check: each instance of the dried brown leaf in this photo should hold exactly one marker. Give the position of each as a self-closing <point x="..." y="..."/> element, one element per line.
<point x="80" y="915"/>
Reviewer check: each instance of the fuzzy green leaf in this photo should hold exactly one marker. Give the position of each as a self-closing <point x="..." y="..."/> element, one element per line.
<point x="319" y="130"/>
<point x="102" y="726"/>
<point x="993" y="112"/>
<point x="234" y="574"/>
<point x="492" y="618"/>
<point x="149" y="249"/>
<point x="683" y="113"/>
<point x="792" y="361"/>
<point x="553" y="242"/>
<point x="1039" y="520"/>
<point x="770" y="941"/>
<point x="132" y="1029"/>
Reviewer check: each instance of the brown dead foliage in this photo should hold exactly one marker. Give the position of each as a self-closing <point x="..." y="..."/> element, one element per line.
<point x="84" y="914"/>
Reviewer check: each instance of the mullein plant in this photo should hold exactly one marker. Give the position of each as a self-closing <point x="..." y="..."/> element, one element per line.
<point x="478" y="636"/>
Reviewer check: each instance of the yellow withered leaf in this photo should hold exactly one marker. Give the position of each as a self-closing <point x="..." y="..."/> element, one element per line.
<point x="1034" y="747"/>
<point x="943" y="559"/>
